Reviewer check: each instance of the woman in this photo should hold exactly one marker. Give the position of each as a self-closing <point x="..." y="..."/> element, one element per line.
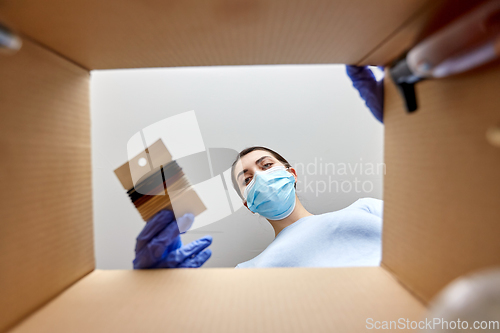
<point x="266" y="183"/>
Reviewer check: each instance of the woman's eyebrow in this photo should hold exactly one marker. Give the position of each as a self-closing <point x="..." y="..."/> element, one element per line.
<point x="261" y="159"/>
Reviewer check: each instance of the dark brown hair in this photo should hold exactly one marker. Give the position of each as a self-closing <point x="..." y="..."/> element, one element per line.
<point x="249" y="150"/>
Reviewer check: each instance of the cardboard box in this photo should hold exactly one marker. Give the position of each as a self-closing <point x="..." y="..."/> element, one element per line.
<point x="441" y="190"/>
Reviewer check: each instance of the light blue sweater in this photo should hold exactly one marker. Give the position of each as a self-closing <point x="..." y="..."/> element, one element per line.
<point x="347" y="237"/>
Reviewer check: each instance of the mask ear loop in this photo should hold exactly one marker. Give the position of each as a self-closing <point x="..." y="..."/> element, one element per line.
<point x="247" y="189"/>
<point x="290" y="172"/>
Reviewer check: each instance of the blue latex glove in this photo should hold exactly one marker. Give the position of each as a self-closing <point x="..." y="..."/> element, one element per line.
<point x="370" y="90"/>
<point x="159" y="244"/>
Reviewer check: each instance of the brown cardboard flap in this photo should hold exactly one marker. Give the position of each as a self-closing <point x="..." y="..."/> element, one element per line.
<point x="442" y="188"/>
<point x="132" y="34"/>
<point x="227" y="300"/>
<point x="46" y="236"/>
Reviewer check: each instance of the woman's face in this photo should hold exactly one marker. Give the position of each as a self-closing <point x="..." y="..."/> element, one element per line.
<point x="251" y="163"/>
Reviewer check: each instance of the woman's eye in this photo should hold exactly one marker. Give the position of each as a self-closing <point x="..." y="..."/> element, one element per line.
<point x="268" y="165"/>
<point x="247" y="180"/>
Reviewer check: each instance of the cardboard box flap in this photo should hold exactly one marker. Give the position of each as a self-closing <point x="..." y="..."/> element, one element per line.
<point x="46" y="233"/>
<point x="133" y="34"/>
<point x="227" y="300"/>
<point x="442" y="187"/>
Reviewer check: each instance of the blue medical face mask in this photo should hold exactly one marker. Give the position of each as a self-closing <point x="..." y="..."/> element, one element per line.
<point x="271" y="193"/>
